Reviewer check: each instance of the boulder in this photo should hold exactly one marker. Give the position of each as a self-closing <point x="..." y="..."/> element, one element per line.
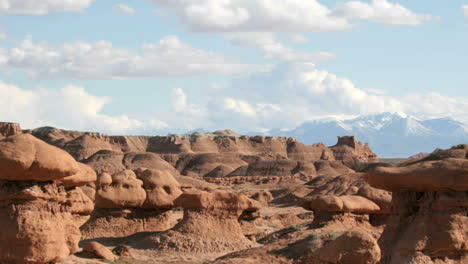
<point x="345" y="203"/>
<point x="351" y="247"/>
<point x="98" y="250"/>
<point x="26" y="158"/>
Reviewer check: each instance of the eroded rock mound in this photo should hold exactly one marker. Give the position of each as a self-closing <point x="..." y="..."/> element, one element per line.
<point x="128" y="202"/>
<point x="353" y="152"/>
<point x="429" y="222"/>
<point x="344" y="211"/>
<point x="40" y="206"/>
<point x="210" y="224"/>
<point x="351" y="247"/>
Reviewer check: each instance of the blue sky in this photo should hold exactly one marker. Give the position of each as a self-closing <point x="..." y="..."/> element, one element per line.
<point x="153" y="66"/>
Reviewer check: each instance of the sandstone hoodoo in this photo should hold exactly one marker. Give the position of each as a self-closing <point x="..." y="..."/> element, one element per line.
<point x="9" y="129"/>
<point x="352" y="152"/>
<point x="429" y="220"/>
<point x="347" y="211"/>
<point x="142" y="184"/>
<point x="39" y="201"/>
<point x="128" y="202"/>
<point x="210" y="224"/>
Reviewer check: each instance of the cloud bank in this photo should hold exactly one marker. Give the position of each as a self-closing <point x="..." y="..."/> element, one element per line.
<point x="71" y="107"/>
<point x="42" y="7"/>
<point x="283" y="98"/>
<point x="170" y="57"/>
<point x="286" y="15"/>
<point x="295" y="93"/>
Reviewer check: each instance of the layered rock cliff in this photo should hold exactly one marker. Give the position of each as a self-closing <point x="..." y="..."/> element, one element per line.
<point x="211" y="155"/>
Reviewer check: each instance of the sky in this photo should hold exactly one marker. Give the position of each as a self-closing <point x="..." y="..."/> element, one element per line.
<point x="159" y="66"/>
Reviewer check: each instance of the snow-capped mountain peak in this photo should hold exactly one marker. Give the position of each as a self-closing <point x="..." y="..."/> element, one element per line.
<point x="389" y="134"/>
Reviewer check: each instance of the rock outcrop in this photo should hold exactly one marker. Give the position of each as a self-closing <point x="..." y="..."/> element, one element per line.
<point x="353" y="152"/>
<point x="129" y="201"/>
<point x="429" y="219"/>
<point x="40" y="207"/>
<point x="342" y="212"/>
<point x="351" y="247"/>
<point x="211" y="155"/>
<point x="9" y="129"/>
<point x="210" y="223"/>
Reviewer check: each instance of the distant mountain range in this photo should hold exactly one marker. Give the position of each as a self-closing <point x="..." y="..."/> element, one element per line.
<point x="389" y="135"/>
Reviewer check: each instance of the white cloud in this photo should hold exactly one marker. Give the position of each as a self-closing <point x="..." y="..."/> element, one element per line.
<point x="254" y="15"/>
<point x="124" y="9"/>
<point x="295" y="93"/>
<point x="170" y="57"/>
<point x="42" y="7"/>
<point x="273" y="49"/>
<point x="70" y="107"/>
<point x="465" y="10"/>
<point x="285" y="15"/>
<point x="381" y="11"/>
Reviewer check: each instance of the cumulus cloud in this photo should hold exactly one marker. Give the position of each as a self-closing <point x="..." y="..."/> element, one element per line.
<point x="381" y="11"/>
<point x="254" y="15"/>
<point x="273" y="49"/>
<point x="284" y="16"/>
<point x="42" y="7"/>
<point x="170" y="57"/>
<point x="71" y="107"/>
<point x="295" y="93"/>
<point x="465" y="10"/>
<point x="124" y="9"/>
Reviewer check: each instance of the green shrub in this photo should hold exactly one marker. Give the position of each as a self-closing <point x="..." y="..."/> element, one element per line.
<point x="313" y="236"/>
<point x="293" y="228"/>
<point x="460" y="146"/>
<point x="332" y="236"/>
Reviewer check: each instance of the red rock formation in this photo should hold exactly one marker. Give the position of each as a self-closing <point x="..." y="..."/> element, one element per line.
<point x="39" y="204"/>
<point x="429" y="220"/>
<point x="83" y="145"/>
<point x="9" y="129"/>
<point x="352" y="152"/>
<point x="129" y="202"/>
<point x="210" y="224"/>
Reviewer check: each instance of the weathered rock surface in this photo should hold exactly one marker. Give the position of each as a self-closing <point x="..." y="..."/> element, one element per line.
<point x="211" y="155"/>
<point x="446" y="174"/>
<point x="9" y="129"/>
<point x="98" y="250"/>
<point x="210" y="224"/>
<point x="128" y="202"/>
<point x="345" y="203"/>
<point x="40" y="207"/>
<point x="352" y="152"/>
<point x="351" y="247"/>
<point x="429" y="222"/>
<point x="26" y="158"/>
